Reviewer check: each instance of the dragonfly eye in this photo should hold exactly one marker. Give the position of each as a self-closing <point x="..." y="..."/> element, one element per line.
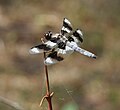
<point x="48" y="35"/>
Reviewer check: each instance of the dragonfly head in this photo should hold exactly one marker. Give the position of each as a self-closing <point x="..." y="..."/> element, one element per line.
<point x="48" y="35"/>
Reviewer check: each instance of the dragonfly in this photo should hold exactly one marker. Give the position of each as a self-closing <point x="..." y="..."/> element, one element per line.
<point x="59" y="45"/>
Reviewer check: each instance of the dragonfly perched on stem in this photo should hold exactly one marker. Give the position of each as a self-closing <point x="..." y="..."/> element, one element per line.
<point x="59" y="45"/>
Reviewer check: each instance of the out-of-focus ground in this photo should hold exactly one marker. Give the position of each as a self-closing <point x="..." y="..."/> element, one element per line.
<point x="79" y="83"/>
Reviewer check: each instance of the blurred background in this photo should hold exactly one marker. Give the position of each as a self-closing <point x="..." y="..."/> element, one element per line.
<point x="79" y="83"/>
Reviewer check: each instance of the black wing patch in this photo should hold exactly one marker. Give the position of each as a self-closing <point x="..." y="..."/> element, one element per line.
<point x="54" y="39"/>
<point x="39" y="49"/>
<point x="54" y="55"/>
<point x="67" y="27"/>
<point x="42" y="46"/>
<point x="78" y="34"/>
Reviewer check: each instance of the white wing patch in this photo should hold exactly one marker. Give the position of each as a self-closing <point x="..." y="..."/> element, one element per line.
<point x="51" y="44"/>
<point x="66" y="51"/>
<point x="50" y="61"/>
<point x="35" y="50"/>
<point x="66" y="30"/>
<point x="80" y="32"/>
<point x="67" y="21"/>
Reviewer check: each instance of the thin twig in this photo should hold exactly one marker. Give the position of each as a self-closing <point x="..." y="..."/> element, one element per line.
<point x="10" y="103"/>
<point x="47" y="77"/>
<point x="49" y="94"/>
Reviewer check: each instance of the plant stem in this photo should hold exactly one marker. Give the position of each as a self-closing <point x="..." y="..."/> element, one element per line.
<point x="47" y="77"/>
<point x="48" y="94"/>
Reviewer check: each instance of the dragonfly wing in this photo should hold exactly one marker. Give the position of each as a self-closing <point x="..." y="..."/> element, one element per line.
<point x="67" y="31"/>
<point x="78" y="36"/>
<point x="65" y="52"/>
<point x="51" y="44"/>
<point x="67" y="27"/>
<point x="63" y="49"/>
<point x="58" y="55"/>
<point x="53" y="58"/>
<point x="39" y="49"/>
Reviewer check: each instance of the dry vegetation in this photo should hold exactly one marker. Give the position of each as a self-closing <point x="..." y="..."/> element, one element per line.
<point x="79" y="83"/>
